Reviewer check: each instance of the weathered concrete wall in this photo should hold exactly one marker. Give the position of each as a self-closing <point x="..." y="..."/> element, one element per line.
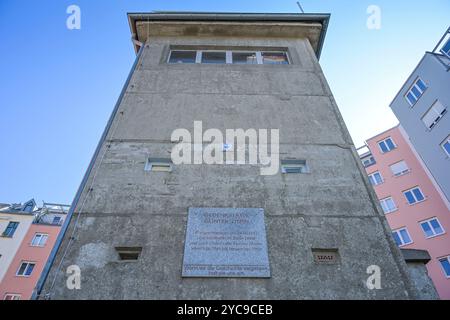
<point x="332" y="207"/>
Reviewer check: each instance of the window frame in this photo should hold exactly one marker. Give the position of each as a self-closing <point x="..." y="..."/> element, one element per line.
<point x="443" y="269"/>
<point x="397" y="231"/>
<point x="294" y="166"/>
<point x="229" y="56"/>
<point x="443" y="143"/>
<point x="410" y="90"/>
<point x="14" y="295"/>
<point x="372" y="179"/>
<point x="28" y="263"/>
<point x="39" y="244"/>
<point x="384" y="200"/>
<point x="402" y="173"/>
<point x="5" y="235"/>
<point x="414" y="196"/>
<point x="384" y="141"/>
<point x="428" y="221"/>
<point x="437" y="119"/>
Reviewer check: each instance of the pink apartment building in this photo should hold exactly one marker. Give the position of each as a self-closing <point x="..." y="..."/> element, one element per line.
<point x="26" y="267"/>
<point x="416" y="210"/>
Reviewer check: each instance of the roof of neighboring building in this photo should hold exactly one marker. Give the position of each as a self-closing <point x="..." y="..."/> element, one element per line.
<point x="170" y="23"/>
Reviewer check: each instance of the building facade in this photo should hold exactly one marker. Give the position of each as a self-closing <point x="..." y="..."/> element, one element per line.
<point x="28" y="248"/>
<point x="15" y="221"/>
<point x="416" y="210"/>
<point x="127" y="229"/>
<point x="421" y="107"/>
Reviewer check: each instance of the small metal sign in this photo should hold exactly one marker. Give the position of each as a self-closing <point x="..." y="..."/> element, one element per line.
<point x="226" y="242"/>
<point x="326" y="256"/>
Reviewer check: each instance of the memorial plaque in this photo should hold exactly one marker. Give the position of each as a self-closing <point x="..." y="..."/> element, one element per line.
<point x="226" y="242"/>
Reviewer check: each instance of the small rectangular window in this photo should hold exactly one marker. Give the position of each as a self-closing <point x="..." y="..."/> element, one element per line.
<point x="182" y="56"/>
<point x="446" y="146"/>
<point x="244" y="58"/>
<point x="158" y="165"/>
<point x="367" y="162"/>
<point x="388" y="205"/>
<point x="25" y="269"/>
<point x="217" y="57"/>
<point x="10" y="229"/>
<point x="432" y="228"/>
<point x="415" y="92"/>
<point x="12" y="296"/>
<point x="399" y="168"/>
<point x="434" y="114"/>
<point x="386" y="145"/>
<point x="401" y="237"/>
<point x="376" y="178"/>
<point x="129" y="253"/>
<point x="446" y="48"/>
<point x="294" y="166"/>
<point x="445" y="264"/>
<point x="39" y="240"/>
<point x="274" y="58"/>
<point x="414" y="195"/>
<point x="56" y="220"/>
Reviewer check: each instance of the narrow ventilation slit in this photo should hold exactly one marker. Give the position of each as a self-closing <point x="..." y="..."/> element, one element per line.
<point x="129" y="253"/>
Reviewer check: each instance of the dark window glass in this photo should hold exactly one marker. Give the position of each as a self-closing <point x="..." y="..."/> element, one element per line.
<point x="383" y="146"/>
<point x="412" y="100"/>
<point x="213" y="57"/>
<point x="390" y="144"/>
<point x="274" y="58"/>
<point x="416" y="92"/>
<point x="22" y="268"/>
<point x="426" y="228"/>
<point x="446" y="266"/>
<point x="29" y="269"/>
<point x="409" y="196"/>
<point x="421" y="85"/>
<point x="418" y="194"/>
<point x="182" y="57"/>
<point x="10" y="229"/>
<point x="244" y="58"/>
<point x="397" y="238"/>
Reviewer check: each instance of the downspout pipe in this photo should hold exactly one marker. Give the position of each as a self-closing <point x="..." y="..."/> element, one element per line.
<point x="40" y="284"/>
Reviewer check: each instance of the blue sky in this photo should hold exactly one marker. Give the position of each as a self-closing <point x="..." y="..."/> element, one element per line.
<point x="58" y="86"/>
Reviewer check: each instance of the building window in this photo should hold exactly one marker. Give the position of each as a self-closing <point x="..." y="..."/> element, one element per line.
<point x="434" y="114"/>
<point x="129" y="253"/>
<point x="432" y="228"/>
<point x="244" y="58"/>
<point x="217" y="57"/>
<point x="228" y="57"/>
<point x="367" y="162"/>
<point x="375" y="178"/>
<point x="182" y="56"/>
<point x="39" y="240"/>
<point x="12" y="296"/>
<point x="25" y="269"/>
<point x="415" y="92"/>
<point x="56" y="220"/>
<point x="399" y="168"/>
<point x="446" y="49"/>
<point x="158" y="165"/>
<point x="294" y="166"/>
<point x="414" y="195"/>
<point x="10" y="229"/>
<point x="274" y="58"/>
<point x="386" y="145"/>
<point x="388" y="205"/>
<point x="445" y="263"/>
<point x="446" y="146"/>
<point x="401" y="237"/>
